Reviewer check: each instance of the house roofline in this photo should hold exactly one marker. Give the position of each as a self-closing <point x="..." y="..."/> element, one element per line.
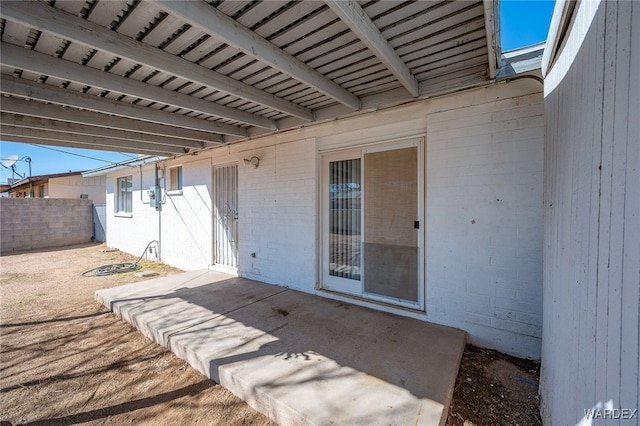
<point x="135" y="162"/>
<point x="40" y="178"/>
<point x="521" y="60"/>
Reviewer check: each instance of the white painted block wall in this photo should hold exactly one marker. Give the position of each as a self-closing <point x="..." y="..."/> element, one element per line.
<point x="183" y="226"/>
<point x="591" y="327"/>
<point x="484" y="164"/>
<point x="278" y="216"/>
<point x="483" y="203"/>
<point x="484" y="222"/>
<point x="186" y="227"/>
<point x="132" y="233"/>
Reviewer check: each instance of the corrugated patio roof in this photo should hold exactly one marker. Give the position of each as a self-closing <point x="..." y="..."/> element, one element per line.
<point x="168" y="77"/>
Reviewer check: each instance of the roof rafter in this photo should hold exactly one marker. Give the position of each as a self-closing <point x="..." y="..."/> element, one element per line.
<point x="68" y="144"/>
<point x="30" y="122"/>
<point x="47" y="137"/>
<point x="185" y="137"/>
<point x="210" y="20"/>
<point x="40" y="63"/>
<point x="48" y="93"/>
<point x="359" y="22"/>
<point x="491" y="23"/>
<point x="47" y="18"/>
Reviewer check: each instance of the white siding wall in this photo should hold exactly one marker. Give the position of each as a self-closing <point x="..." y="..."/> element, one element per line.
<point x="483" y="277"/>
<point x="591" y="300"/>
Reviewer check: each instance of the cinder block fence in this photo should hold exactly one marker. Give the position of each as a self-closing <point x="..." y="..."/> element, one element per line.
<point x="32" y="223"/>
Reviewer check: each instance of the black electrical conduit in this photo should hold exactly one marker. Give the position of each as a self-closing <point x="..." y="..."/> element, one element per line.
<point x="519" y="77"/>
<point x="117" y="268"/>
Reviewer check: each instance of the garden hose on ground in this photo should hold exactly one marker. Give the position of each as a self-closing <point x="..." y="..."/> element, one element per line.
<point x="117" y="268"/>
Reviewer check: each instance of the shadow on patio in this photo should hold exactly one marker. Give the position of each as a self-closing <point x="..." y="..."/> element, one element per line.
<point x="298" y="358"/>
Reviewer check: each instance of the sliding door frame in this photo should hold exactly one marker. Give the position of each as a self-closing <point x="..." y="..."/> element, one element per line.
<point x="356" y="288"/>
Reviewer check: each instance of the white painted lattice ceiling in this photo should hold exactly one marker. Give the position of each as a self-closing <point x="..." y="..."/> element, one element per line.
<point x="166" y="77"/>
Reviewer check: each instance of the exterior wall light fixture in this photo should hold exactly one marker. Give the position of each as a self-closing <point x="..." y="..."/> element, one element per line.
<point x="253" y="162"/>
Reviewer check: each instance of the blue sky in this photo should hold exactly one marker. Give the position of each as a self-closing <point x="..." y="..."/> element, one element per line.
<point x="522" y="23"/>
<point x="55" y="159"/>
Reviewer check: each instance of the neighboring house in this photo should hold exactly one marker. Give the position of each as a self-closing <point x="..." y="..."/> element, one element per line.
<point x="305" y="147"/>
<point x="60" y="185"/>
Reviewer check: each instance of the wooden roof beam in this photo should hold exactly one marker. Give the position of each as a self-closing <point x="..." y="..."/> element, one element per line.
<point x="8" y="119"/>
<point x="492" y="25"/>
<point x="210" y="20"/>
<point x="40" y="63"/>
<point x="48" y="93"/>
<point x="46" y="18"/>
<point x="191" y="138"/>
<point x="47" y="137"/>
<point x="359" y="22"/>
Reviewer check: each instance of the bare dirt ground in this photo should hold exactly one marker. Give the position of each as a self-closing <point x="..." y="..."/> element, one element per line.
<point x="495" y="389"/>
<point x="64" y="359"/>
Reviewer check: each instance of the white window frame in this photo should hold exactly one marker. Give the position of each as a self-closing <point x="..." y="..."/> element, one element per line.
<point x="122" y="209"/>
<point x="174" y="181"/>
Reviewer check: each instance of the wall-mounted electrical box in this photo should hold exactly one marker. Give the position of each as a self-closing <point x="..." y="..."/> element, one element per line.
<point x="155" y="196"/>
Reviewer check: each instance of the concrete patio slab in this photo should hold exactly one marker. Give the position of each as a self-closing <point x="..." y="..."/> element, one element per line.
<point x="298" y="358"/>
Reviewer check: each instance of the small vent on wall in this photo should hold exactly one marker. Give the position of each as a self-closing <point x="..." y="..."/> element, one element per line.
<point x="84" y="196"/>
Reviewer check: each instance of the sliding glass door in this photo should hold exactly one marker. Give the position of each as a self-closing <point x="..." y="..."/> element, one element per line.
<point x="372" y="223"/>
<point x="390" y="243"/>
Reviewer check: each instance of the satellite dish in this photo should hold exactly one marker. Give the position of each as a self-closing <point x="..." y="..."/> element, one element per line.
<point x="9" y="161"/>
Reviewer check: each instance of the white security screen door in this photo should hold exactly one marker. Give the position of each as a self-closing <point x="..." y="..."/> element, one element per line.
<point x="372" y="229"/>
<point x="225" y="215"/>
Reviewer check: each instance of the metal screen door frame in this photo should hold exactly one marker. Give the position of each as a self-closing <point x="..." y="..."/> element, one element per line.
<point x="356" y="287"/>
<point x="225" y="217"/>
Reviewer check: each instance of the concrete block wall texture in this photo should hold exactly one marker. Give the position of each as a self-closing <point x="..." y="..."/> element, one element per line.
<point x="483" y="204"/>
<point x="132" y="232"/>
<point x="33" y="223"/>
<point x="484" y="222"/>
<point x="278" y="216"/>
<point x="182" y="226"/>
<point x="591" y="323"/>
<point x="187" y="218"/>
<point x="483" y="156"/>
